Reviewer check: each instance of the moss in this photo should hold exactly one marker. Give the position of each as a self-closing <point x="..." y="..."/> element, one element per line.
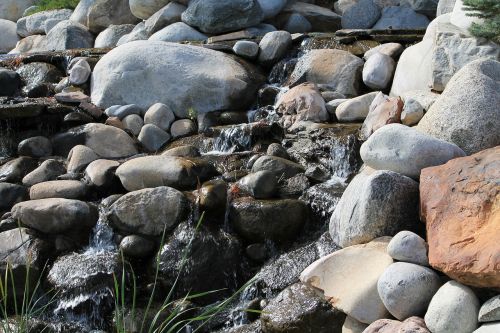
<point x="43" y="5"/>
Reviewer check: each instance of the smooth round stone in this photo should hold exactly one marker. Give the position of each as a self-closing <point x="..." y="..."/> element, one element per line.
<point x="136" y="246"/>
<point x="80" y="72"/>
<point x="408" y="247"/>
<point x="260" y="184"/>
<point x="413" y="111"/>
<point x="133" y="123"/>
<point x="363" y="14"/>
<point x="37" y="146"/>
<point x="246" y="49"/>
<point x="378" y="71"/>
<point x="275" y="149"/>
<point x="273" y="47"/>
<point x="121" y="111"/>
<point x="101" y="172"/>
<point x="79" y="157"/>
<point x="182" y="127"/>
<point x="297" y="23"/>
<point x="48" y="170"/>
<point x="152" y="137"/>
<point x="67" y="189"/>
<point x="407" y="289"/>
<point x="160" y="115"/>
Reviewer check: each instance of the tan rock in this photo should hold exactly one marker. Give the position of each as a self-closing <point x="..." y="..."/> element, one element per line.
<point x="460" y="203"/>
<point x="410" y="325"/>
<point x="388" y="112"/>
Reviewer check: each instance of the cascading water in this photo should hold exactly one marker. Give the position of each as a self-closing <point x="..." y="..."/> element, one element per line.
<point x="234" y="138"/>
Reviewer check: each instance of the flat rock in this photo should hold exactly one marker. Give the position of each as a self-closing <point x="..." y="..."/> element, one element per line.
<point x="67" y="189"/>
<point x="48" y="170"/>
<point x="410" y="325"/>
<point x="355" y="109"/>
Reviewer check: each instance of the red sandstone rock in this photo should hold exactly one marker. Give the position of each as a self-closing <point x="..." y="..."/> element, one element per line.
<point x="460" y="204"/>
<point x="388" y="112"/>
<point x="410" y="325"/>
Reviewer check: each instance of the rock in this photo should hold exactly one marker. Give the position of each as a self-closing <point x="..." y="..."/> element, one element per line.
<point x="355" y="109"/>
<point x="271" y="8"/>
<point x="98" y="15"/>
<point x="34" y="43"/>
<point x="55" y="215"/>
<point x="153" y="171"/>
<point x="279" y="166"/>
<point x="219" y="16"/>
<point x="69" y="35"/>
<point x="35" y="24"/>
<point x="212" y="196"/>
<point x="12" y="10"/>
<point x="183" y="127"/>
<point x="273" y="47"/>
<point x="11" y="194"/>
<point x="410" y="325"/>
<point x="409" y="247"/>
<point x="462" y="235"/>
<point x="304" y="102"/>
<point x="178" y="32"/>
<point x="460" y="18"/>
<point x="362" y="14"/>
<point x="152" y="84"/>
<point x="261" y="184"/>
<point x="490" y="310"/>
<point x="424" y="7"/>
<point x="395" y="17"/>
<point x="322" y="19"/>
<point x="9" y="38"/>
<point x="349" y="275"/>
<point x="37" y="146"/>
<point x="14" y="170"/>
<point x="144" y="9"/>
<point x="488" y="328"/>
<point x="36" y="73"/>
<point x="110" y="36"/>
<point x="48" y="170"/>
<point x="183" y="151"/>
<point x="138" y="33"/>
<point x="79" y="72"/>
<point x="275" y="149"/>
<point x="412" y="112"/>
<point x="386" y="112"/>
<point x="101" y="172"/>
<point x="76" y="97"/>
<point x="152" y="137"/>
<point x="424" y="98"/>
<point x="133" y="123"/>
<point x="260" y="220"/>
<point x="121" y="111"/>
<point x="300" y="309"/>
<point x="136" y="246"/>
<point x="166" y="16"/>
<point x="67" y="189"/>
<point x="150" y="211"/>
<point x="160" y="115"/>
<point x="10" y="82"/>
<point x="351" y="325"/>
<point x="466" y="112"/>
<point x="338" y="69"/>
<point x="297" y="23"/>
<point x="445" y="6"/>
<point x="79" y="157"/>
<point x="378" y="71"/>
<point x="454" y="308"/>
<point x="407" y="289"/>
<point x="405" y="150"/>
<point x="393" y="50"/>
<point x="246" y="49"/>
<point x="105" y="141"/>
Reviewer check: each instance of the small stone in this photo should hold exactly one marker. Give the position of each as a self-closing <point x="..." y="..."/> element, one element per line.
<point x="182" y="127"/>
<point x="410" y="325"/>
<point x="213" y="196"/>
<point x="413" y="111"/>
<point x="490" y="310"/>
<point x="246" y="49"/>
<point x="67" y="189"/>
<point x="408" y="247"/>
<point x="160" y="115"/>
<point x="48" y="170"/>
<point x="273" y="47"/>
<point x="72" y="97"/>
<point x="101" y="172"/>
<point x="121" y="111"/>
<point x="80" y="72"/>
<point x="183" y="151"/>
<point x="134" y="123"/>
<point x="393" y="50"/>
<point x="279" y="166"/>
<point x="261" y="184"/>
<point x="362" y="14"/>
<point x="378" y="71"/>
<point x="355" y="109"/>
<point x="37" y="146"/>
<point x="79" y="157"/>
<point x="136" y="246"/>
<point x="275" y="149"/>
<point x="152" y="137"/>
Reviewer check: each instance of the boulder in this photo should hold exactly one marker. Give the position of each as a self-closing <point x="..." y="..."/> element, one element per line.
<point x="355" y="109"/>
<point x="110" y="36"/>
<point x="362" y="14"/>
<point x="15" y="170"/>
<point x="300" y="309"/>
<point x="138" y="33"/>
<point x="55" y="215"/>
<point x="410" y="325"/>
<point x="378" y="71"/>
<point x="246" y="49"/>
<point x="303" y="102"/>
<point x="36" y="146"/>
<point x="260" y="185"/>
<point x="382" y="112"/>
<point x="149" y="212"/>
<point x="97" y="15"/>
<point x="260" y="220"/>
<point x="460" y="18"/>
<point x="445" y="7"/>
<point x="166" y="16"/>
<point x="144" y="9"/>
<point x="340" y="70"/>
<point x="69" y="35"/>
<point x="405" y="150"/>
<point x="490" y="310"/>
<point x="161" y="170"/>
<point x="11" y="194"/>
<point x="178" y="32"/>
<point x="321" y="19"/>
<point x="48" y="170"/>
<point x="79" y="157"/>
<point x="13" y="10"/>
<point x="466" y="113"/>
<point x="375" y="204"/>
<point x="395" y="17"/>
<point x="271" y="8"/>
<point x="219" y="16"/>
<point x="348" y="279"/>
<point x="35" y="24"/>
<point x="279" y="166"/>
<point x="183" y="127"/>
<point x="409" y="247"/>
<point x="297" y="23"/>
<point x="152" y="137"/>
<point x="462" y="234"/>
<point x="273" y="47"/>
<point x="407" y="289"/>
<point x="8" y="38"/>
<point x="453" y="309"/>
<point x="10" y="82"/>
<point x="230" y="87"/>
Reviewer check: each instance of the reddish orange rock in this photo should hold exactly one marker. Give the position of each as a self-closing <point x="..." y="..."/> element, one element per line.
<point x="460" y="204"/>
<point x="388" y="112"/>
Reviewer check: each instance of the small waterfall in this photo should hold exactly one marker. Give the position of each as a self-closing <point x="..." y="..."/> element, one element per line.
<point x="6" y="135"/>
<point x="233" y="139"/>
<point x="101" y="239"/>
<point x="342" y="163"/>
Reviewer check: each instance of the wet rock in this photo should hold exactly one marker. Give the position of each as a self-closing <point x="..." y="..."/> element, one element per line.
<point x="405" y="150"/>
<point x="393" y="50"/>
<point x="11" y="194"/>
<point x="68" y="189"/>
<point x="79" y="157"/>
<point x="300" y="309"/>
<point x="303" y="102"/>
<point x="408" y="247"/>
<point x="183" y="151"/>
<point x="336" y="68"/>
<point x="322" y="19"/>
<point x="350" y="275"/>
<point x="152" y="137"/>
<point x="55" y="215"/>
<point x="136" y="246"/>
<point x="259" y="220"/>
<point x="182" y="127"/>
<point x="275" y="149"/>
<point x="219" y="16"/>
<point x="395" y="17"/>
<point x="35" y="24"/>
<point x="10" y="82"/>
<point x="36" y="73"/>
<point x="378" y="71"/>
<point x="111" y="35"/>
<point x="362" y="14"/>
<point x="294" y="187"/>
<point x="257" y="252"/>
<point x="375" y="204"/>
<point x="150" y="211"/>
<point x="9" y="38"/>
<point x="166" y="16"/>
<point x="133" y="123"/>
<point x="490" y="310"/>
<point x="199" y="95"/>
<point x="48" y="170"/>
<point x="160" y="115"/>
<point x="79" y="72"/>
<point x="454" y="308"/>
<point x="462" y="234"/>
<point x="101" y="172"/>
<point x="246" y="49"/>
<point x="410" y="325"/>
<point x="37" y="146"/>
<point x="355" y="109"/>
<point x="261" y="184"/>
<point x="213" y="196"/>
<point x="386" y="112"/>
<point x="273" y="47"/>
<point x="69" y="35"/>
<point x="152" y="171"/>
<point x="407" y="289"/>
<point x="279" y="166"/>
<point x="15" y="170"/>
<point x="465" y="113"/>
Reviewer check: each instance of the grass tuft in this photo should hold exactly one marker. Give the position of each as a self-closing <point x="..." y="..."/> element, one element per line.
<point x="43" y="5"/>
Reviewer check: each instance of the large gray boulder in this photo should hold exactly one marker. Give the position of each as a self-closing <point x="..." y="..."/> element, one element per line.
<point x="362" y="14"/>
<point x="467" y="112"/>
<point x="396" y="17"/>
<point x="69" y="35"/>
<point x="12" y="10"/>
<point x="424" y="7"/>
<point x="180" y="76"/>
<point x="271" y="8"/>
<point x="35" y="24"/>
<point x="219" y="16"/>
<point x="178" y="32"/>
<point x="97" y="15"/>
<point x="111" y="35"/>
<point x="8" y="37"/>
<point x="403" y="149"/>
<point x="375" y="204"/>
<point x="150" y="211"/>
